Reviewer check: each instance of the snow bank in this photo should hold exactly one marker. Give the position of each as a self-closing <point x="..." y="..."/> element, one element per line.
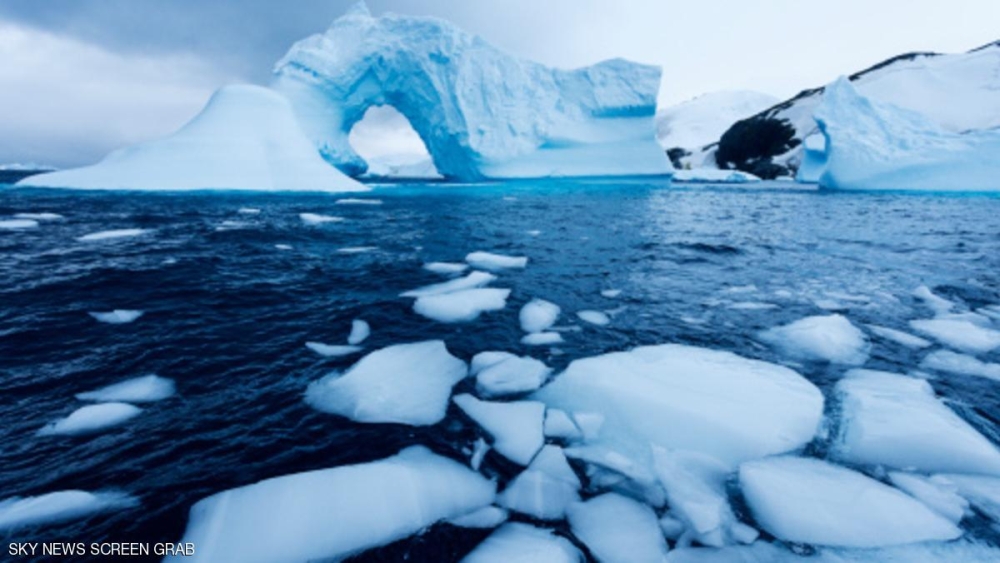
<point x="61" y="506"/>
<point x="333" y="513"/>
<point x="896" y="421"/>
<point x="829" y="338"/>
<point x="246" y="138"/>
<point x="461" y="306"/>
<point x="493" y="262"/>
<point x="522" y="543"/>
<point x="511" y="376"/>
<point x="872" y="145"/>
<point x="950" y="362"/>
<point x="516" y="427"/>
<point x="405" y="384"/>
<point x="117" y="317"/>
<point x="482" y="113"/>
<point x="618" y="529"/>
<point x="112" y="235"/>
<point x="91" y="419"/>
<point x="538" y="315"/>
<point x="333" y="350"/>
<point x="145" y="389"/>
<point x="805" y="500"/>
<point x="961" y="335"/>
<point x="360" y="330"/>
<point x="730" y="407"/>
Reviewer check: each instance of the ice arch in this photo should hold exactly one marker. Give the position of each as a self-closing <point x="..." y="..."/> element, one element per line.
<point x="480" y="112"/>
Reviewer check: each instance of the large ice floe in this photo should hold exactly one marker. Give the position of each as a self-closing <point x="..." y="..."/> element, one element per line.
<point x="688" y="398"/>
<point x="807" y="500"/>
<point x="873" y="145"/>
<point x="405" y="384"/>
<point x="330" y="514"/>
<point x="896" y="421"/>
<point x="481" y="112"/>
<point x="60" y="506"/>
<point x="246" y="137"/>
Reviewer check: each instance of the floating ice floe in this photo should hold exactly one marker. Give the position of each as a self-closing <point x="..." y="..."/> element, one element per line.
<point x="830" y="338"/>
<point x="516" y="427"/>
<point x="330" y="514"/>
<point x="982" y="492"/>
<point x="730" y="407"/>
<point x="538" y="315"/>
<point x="522" y="543"/>
<point x="751" y="306"/>
<point x="486" y="517"/>
<point x="446" y="268"/>
<point x="405" y="384"/>
<point x="360" y="330"/>
<point x="112" y="235"/>
<point x="461" y="306"/>
<point x="493" y="262"/>
<point x="608" y="469"/>
<point x="962" y="335"/>
<point x="18" y="224"/>
<point x="471" y="281"/>
<point x="117" y="317"/>
<point x="511" y="376"/>
<point x="60" y="506"/>
<point x="611" y="293"/>
<point x="933" y="301"/>
<point x="283" y="246"/>
<point x="938" y="493"/>
<point x="542" y="339"/>
<point x="899" y="337"/>
<point x="145" y="389"/>
<point x="248" y="211"/>
<point x="806" y="500"/>
<point x="333" y="350"/>
<point x="358" y="201"/>
<point x="951" y="362"/>
<point x="91" y="419"/>
<point x="39" y="216"/>
<point x="317" y="219"/>
<point x="598" y="318"/>
<point x="618" y="529"/>
<point x="762" y="552"/>
<point x="545" y="489"/>
<point x="896" y="421"/>
<point x="356" y="249"/>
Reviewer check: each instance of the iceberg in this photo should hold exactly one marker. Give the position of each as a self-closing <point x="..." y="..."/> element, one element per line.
<point x="60" y="506"/>
<point x="896" y="421"/>
<point x="872" y="145"/>
<point x="731" y="408"/>
<point x="511" y="376"/>
<point x="91" y="419"/>
<point x="829" y="338"/>
<point x="117" y="317"/>
<point x="806" y="500"/>
<point x="538" y="315"/>
<point x="246" y="138"/>
<point x="516" y="427"/>
<point x="480" y="112"/>
<point x="461" y="306"/>
<point x="404" y="384"/>
<point x="330" y="514"/>
<point x="522" y="543"/>
<point x="145" y="389"/>
<point x="617" y="529"/>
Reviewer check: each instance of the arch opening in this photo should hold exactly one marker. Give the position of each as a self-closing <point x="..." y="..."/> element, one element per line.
<point x="386" y="140"/>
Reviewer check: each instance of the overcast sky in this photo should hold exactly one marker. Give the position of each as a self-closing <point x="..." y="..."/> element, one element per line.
<point x="81" y="77"/>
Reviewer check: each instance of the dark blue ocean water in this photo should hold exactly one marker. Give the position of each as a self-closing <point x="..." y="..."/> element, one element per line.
<point x="227" y="314"/>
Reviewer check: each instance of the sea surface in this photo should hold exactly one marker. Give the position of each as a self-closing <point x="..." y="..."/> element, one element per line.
<point x="227" y="313"/>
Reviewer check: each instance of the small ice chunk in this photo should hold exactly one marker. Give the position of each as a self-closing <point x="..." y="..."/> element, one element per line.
<point x="948" y="361"/>
<point x="331" y="514"/>
<point x="360" y="330"/>
<point x="91" y="419"/>
<point x="358" y="201"/>
<point x="539" y="495"/>
<point x="249" y="211"/>
<point x="18" y="224"/>
<point x="446" y="268"/>
<point x="611" y="293"/>
<point x="671" y="527"/>
<point x="461" y="306"/>
<point x="696" y="492"/>
<point x="558" y="424"/>
<point x="542" y="339"/>
<point x="533" y="232"/>
<point x="830" y="338"/>
<point x="618" y="529"/>
<point x="118" y="316"/>
<point x="510" y="376"/>
<point x="486" y="359"/>
<point x="522" y="543"/>
<point x="60" y="506"/>
<point x="940" y="495"/>
<point x="552" y="461"/>
<point x="356" y="249"/>
<point x="896" y="421"/>
<point x="38" y="216"/>
<point x="937" y="304"/>
<point x="145" y="389"/>
<point x="492" y="262"/>
<point x="112" y="235"/>
<point x="485" y="517"/>
<point x="806" y="500"/>
<point x="962" y="335"/>
<point x="317" y="219"/>
<point x="332" y="350"/>
<point x="516" y="427"/>
<point x="405" y="384"/>
<point x="594" y="317"/>
<point x="538" y="315"/>
<point x="471" y="281"/>
<point x="983" y="492"/>
<point x="479" y="450"/>
<point x="283" y="246"/>
<point x="899" y="337"/>
<point x="751" y="306"/>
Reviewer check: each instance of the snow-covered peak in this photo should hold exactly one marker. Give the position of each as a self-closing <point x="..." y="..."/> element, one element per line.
<point x="702" y="120"/>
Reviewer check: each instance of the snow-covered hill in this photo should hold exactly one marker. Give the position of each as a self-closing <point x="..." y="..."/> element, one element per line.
<point x="958" y="92"/>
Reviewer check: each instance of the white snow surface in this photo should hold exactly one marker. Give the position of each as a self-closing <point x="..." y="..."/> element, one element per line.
<point x="330" y="514"/>
<point x="493" y="262"/>
<point x="522" y="543"/>
<point x="91" y="419"/>
<point x="481" y="113"/>
<point x="807" y="500"/>
<point x="511" y="376"/>
<point x="617" y="529"/>
<point x="702" y="120"/>
<point x="538" y="315"/>
<point x="145" y="389"/>
<point x="60" y="506"/>
<point x="516" y="427"/>
<point x="117" y="317"/>
<point x="830" y="338"/>
<point x="246" y="138"/>
<point x="461" y="306"/>
<point x="405" y="384"/>
<point x="730" y="407"/>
